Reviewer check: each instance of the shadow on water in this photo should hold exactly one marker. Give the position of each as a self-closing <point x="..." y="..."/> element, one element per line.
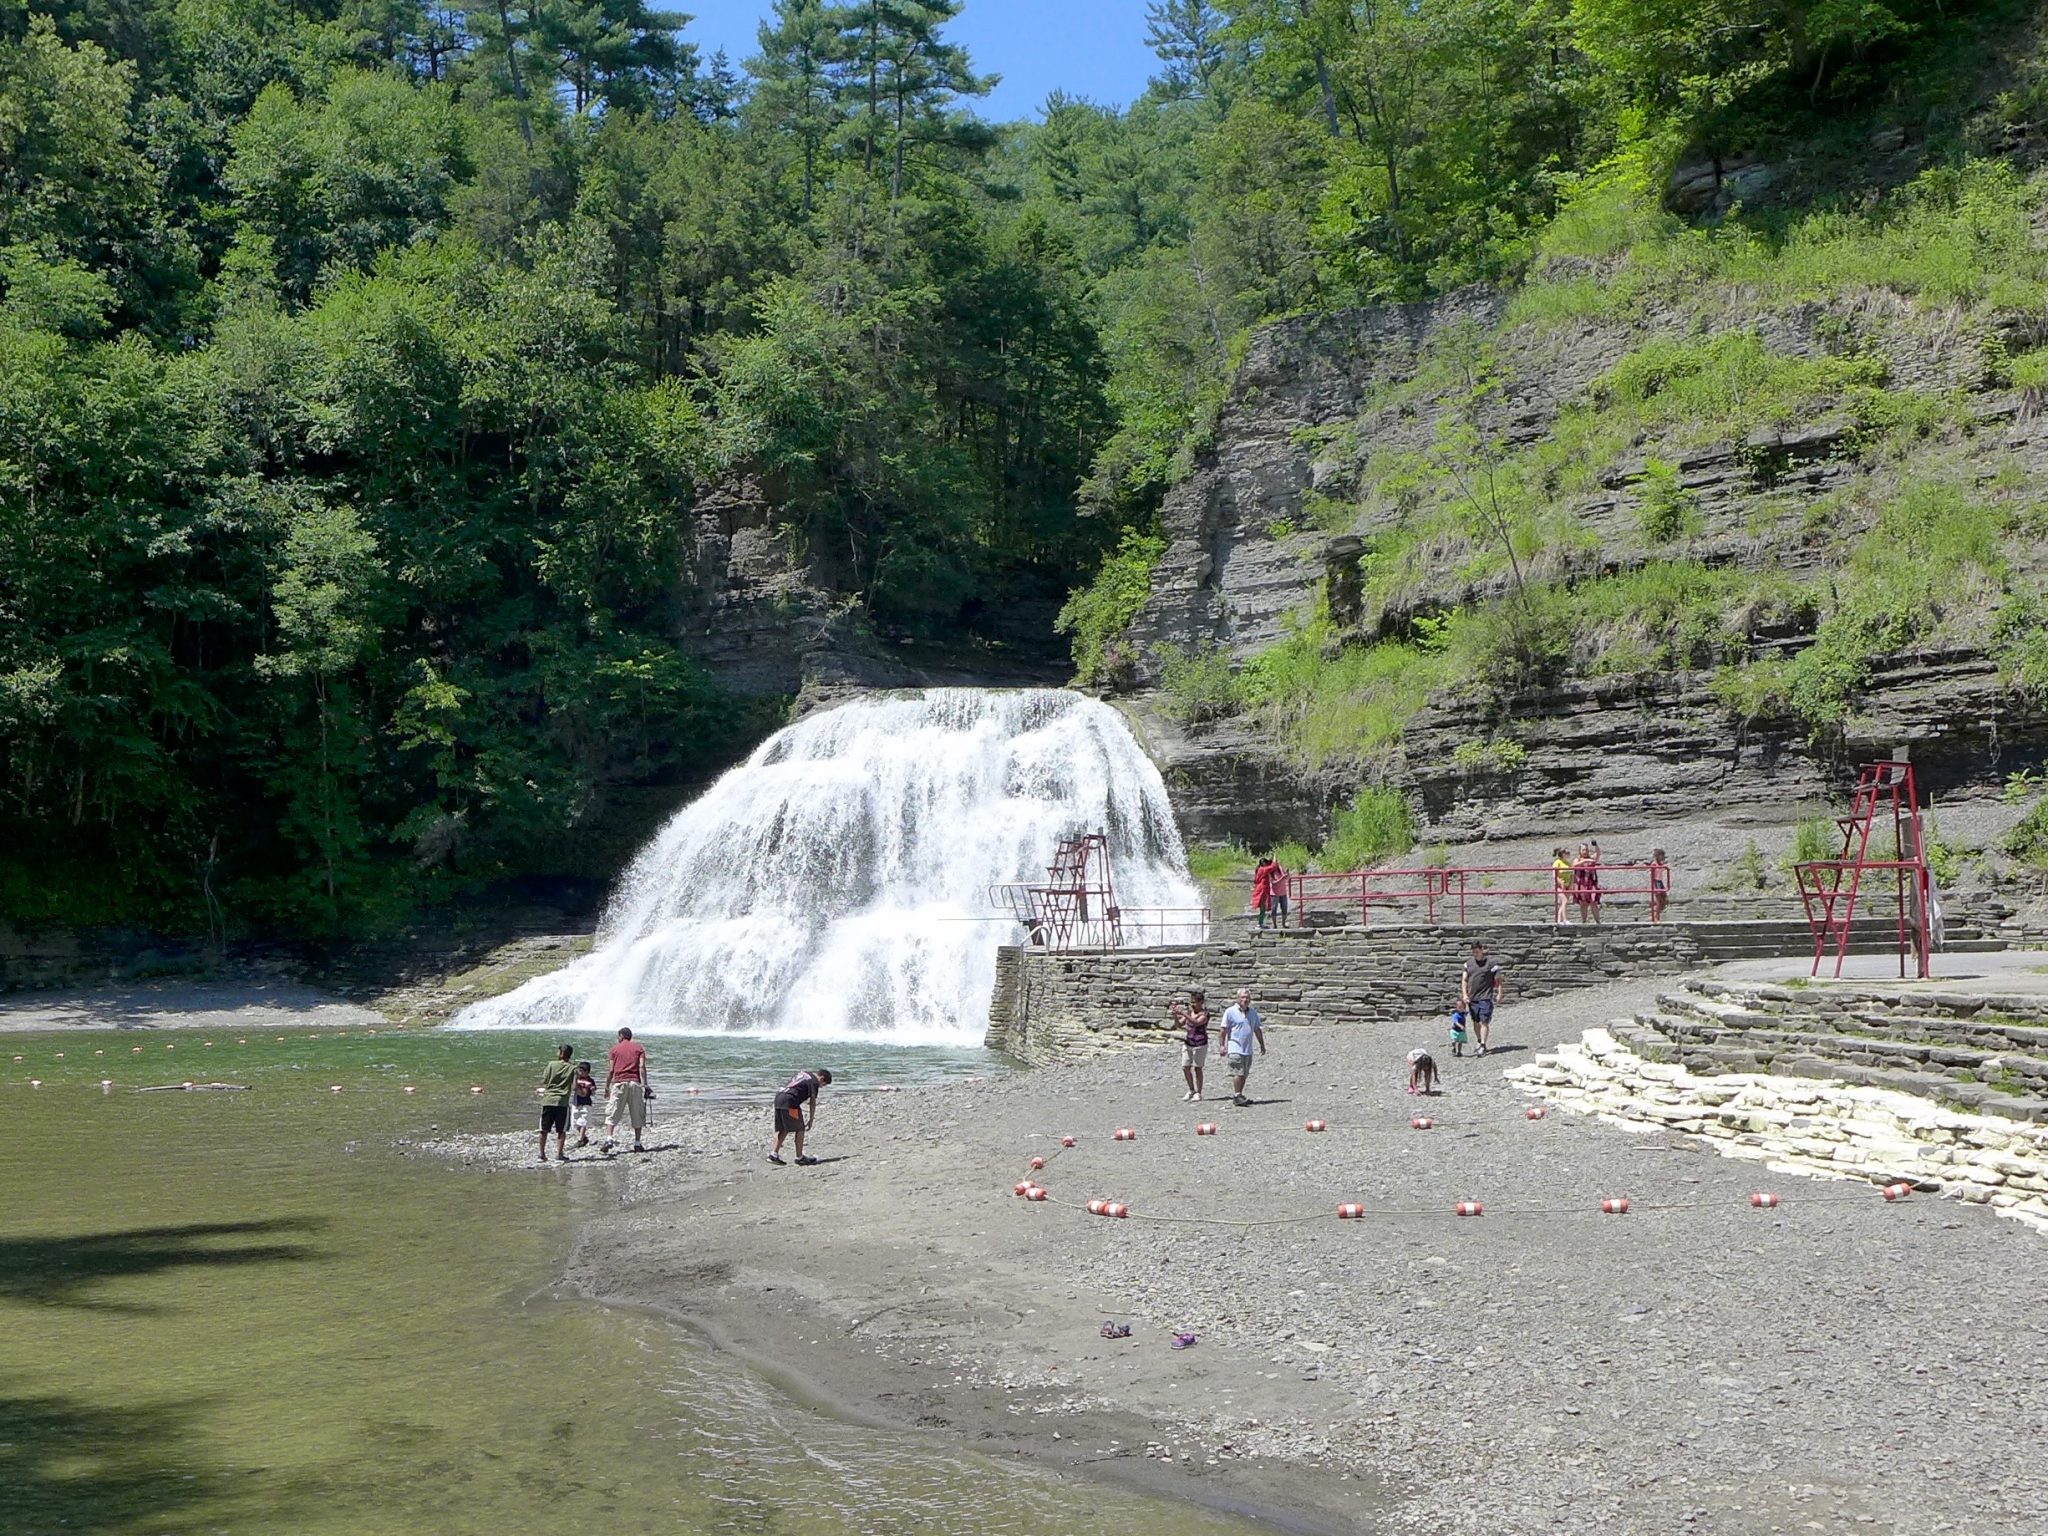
<point x="58" y="1271"/>
<point x="69" y="1466"/>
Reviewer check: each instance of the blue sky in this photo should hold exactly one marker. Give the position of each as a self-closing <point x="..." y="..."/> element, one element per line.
<point x="1092" y="48"/>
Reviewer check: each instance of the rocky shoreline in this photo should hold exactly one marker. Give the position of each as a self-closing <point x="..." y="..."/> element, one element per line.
<point x="1697" y="1365"/>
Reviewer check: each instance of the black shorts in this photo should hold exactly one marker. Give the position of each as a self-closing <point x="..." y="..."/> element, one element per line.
<point x="1482" y="1010"/>
<point x="788" y="1116"/>
<point x="554" y="1117"/>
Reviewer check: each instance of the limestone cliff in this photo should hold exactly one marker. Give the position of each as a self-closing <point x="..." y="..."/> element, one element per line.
<point x="766" y="623"/>
<point x="1314" y="506"/>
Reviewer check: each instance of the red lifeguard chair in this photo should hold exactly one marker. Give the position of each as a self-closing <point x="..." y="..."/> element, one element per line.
<point x="1076" y="907"/>
<point x="1831" y="888"/>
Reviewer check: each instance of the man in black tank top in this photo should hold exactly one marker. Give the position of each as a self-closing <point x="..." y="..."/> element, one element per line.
<point x="796" y="1096"/>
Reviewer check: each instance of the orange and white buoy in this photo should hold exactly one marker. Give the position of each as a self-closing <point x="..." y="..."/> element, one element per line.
<point x="1614" y="1207"/>
<point x="1066" y="1141"/>
<point x="1125" y="1133"/>
<point x="476" y="1087"/>
<point x="1034" y="1193"/>
<point x="1763" y="1199"/>
<point x="1317" y="1125"/>
<point x="1535" y="1112"/>
<point x="1350" y="1212"/>
<point x="1421" y="1123"/>
<point x="409" y="1088"/>
<point x="1467" y="1208"/>
<point x="1112" y="1208"/>
<point x="1037" y="1163"/>
<point x="1206" y="1128"/>
<point x="334" y="1087"/>
<point x="1897" y="1191"/>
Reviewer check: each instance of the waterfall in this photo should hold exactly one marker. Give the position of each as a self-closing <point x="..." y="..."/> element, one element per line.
<point x="835" y="885"/>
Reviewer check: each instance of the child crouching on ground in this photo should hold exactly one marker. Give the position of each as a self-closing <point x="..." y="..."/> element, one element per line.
<point x="1421" y="1071"/>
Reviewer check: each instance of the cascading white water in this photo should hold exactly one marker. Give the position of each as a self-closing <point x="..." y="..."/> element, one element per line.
<point x="835" y="885"/>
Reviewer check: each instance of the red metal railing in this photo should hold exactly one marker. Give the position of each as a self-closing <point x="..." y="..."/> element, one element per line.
<point x="1448" y="894"/>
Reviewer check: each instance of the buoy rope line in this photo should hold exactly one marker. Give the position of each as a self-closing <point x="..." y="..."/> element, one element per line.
<point x="1611" y="1205"/>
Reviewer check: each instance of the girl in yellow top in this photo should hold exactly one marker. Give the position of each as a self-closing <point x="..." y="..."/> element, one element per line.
<point x="1561" y="883"/>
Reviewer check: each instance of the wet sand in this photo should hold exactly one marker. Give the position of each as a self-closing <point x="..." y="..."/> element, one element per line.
<point x="1696" y="1365"/>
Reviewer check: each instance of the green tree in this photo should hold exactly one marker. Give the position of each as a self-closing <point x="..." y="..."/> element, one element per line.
<point x="797" y="92"/>
<point x="370" y="165"/>
<point x="1192" y="40"/>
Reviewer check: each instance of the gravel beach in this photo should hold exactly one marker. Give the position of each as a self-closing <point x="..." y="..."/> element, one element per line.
<point x="1696" y="1365"/>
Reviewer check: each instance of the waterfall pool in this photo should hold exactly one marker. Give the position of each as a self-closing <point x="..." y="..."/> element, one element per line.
<point x="248" y="1312"/>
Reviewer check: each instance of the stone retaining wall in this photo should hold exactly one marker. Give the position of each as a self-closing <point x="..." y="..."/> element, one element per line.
<point x="1063" y="1007"/>
<point x="1873" y="1134"/>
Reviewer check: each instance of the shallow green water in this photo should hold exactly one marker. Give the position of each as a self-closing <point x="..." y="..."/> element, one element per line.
<point x="246" y="1312"/>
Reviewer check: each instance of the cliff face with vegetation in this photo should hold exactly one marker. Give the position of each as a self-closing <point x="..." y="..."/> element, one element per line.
<point x="1673" y="531"/>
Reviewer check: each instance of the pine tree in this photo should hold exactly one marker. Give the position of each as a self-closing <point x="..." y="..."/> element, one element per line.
<point x="795" y="87"/>
<point x="904" y="76"/>
<point x="1188" y="36"/>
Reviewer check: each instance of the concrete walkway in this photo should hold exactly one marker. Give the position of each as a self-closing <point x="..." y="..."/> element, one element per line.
<point x="2013" y="970"/>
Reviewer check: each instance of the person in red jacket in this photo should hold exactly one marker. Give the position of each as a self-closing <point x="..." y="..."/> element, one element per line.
<point x="1262" y="888"/>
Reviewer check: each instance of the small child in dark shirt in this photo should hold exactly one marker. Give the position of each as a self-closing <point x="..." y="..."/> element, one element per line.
<point x="581" y="1094"/>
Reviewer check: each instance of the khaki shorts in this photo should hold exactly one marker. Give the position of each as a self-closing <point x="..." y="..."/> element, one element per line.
<point x="1240" y="1066"/>
<point x="629" y="1100"/>
<point x="1192" y="1056"/>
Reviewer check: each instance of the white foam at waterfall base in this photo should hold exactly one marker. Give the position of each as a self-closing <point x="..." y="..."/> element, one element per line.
<point x="835" y="885"/>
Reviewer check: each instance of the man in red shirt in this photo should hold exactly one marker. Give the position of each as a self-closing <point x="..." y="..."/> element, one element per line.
<point x="625" y="1089"/>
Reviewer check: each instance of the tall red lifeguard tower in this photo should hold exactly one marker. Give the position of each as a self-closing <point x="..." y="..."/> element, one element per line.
<point x="1076" y="906"/>
<point x="1886" y="796"/>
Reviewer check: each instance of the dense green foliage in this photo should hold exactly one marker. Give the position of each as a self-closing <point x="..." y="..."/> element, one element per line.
<point x="361" y="366"/>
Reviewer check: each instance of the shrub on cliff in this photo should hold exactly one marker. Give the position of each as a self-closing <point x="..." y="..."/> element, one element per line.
<point x="1098" y="614"/>
<point x="1379" y="824"/>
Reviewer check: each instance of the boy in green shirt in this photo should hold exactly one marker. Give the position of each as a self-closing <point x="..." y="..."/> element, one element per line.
<point x="556" y="1084"/>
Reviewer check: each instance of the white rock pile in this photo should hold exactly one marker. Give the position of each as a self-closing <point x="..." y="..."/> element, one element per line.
<point x="1806" y="1126"/>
